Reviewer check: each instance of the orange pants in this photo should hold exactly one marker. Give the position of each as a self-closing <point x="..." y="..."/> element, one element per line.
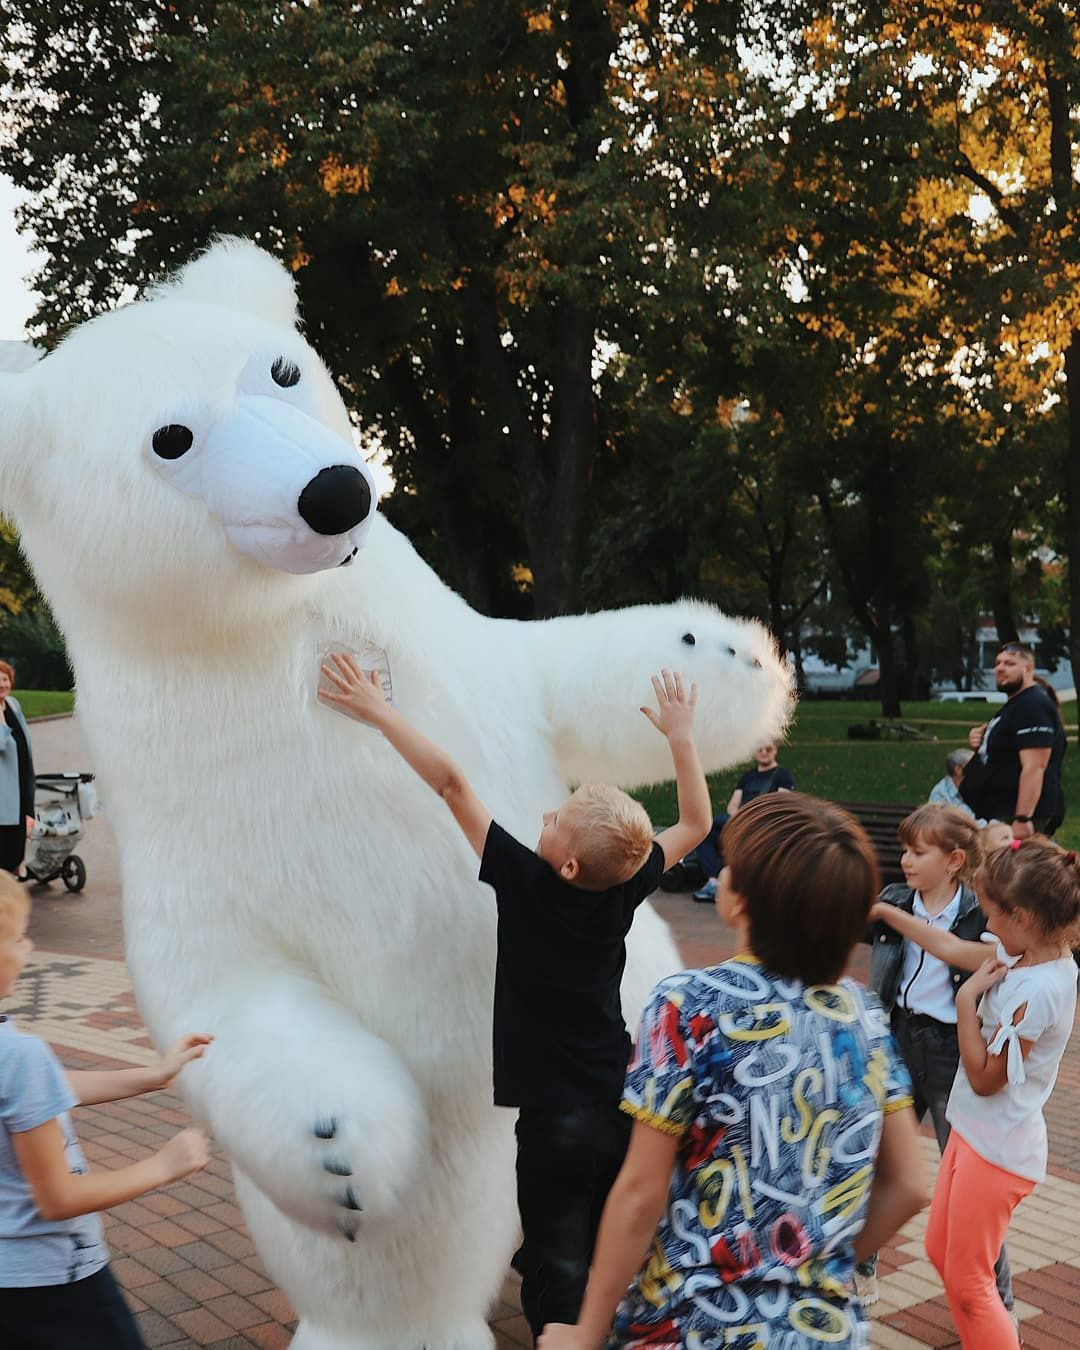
<point x="969" y="1214"/>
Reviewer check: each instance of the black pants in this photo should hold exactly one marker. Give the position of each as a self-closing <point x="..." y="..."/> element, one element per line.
<point x="89" y="1314"/>
<point x="566" y="1163"/>
<point x="12" y="846"/>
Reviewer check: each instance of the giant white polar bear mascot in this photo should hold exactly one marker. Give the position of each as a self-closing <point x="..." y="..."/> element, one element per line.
<point x="187" y="489"/>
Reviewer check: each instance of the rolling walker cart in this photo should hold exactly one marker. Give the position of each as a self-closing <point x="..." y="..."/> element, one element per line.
<point x="62" y="801"/>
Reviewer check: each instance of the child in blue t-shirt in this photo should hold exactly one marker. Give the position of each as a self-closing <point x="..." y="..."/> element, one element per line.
<point x="773" y="1138"/>
<point x="56" y="1289"/>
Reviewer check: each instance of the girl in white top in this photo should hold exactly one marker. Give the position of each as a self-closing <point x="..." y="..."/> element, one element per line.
<point x="1011" y="1040"/>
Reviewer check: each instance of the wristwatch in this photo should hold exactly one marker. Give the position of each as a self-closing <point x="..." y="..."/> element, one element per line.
<point x="1024" y="820"/>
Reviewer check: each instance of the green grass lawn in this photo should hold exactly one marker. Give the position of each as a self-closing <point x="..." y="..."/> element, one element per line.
<point x="819" y="754"/>
<point x="42" y="702"/>
<point x="827" y="764"/>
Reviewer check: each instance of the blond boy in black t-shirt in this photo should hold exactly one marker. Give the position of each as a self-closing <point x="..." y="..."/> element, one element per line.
<point x="564" y="909"/>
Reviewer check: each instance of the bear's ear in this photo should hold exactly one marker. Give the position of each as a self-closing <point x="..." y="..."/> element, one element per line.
<point x="238" y="274"/>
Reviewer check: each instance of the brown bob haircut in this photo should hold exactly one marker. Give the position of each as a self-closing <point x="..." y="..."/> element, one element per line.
<point x="946" y="828"/>
<point x="9" y="670"/>
<point x="808" y="874"/>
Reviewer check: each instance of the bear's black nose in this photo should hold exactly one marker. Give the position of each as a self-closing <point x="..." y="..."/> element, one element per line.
<point x="335" y="500"/>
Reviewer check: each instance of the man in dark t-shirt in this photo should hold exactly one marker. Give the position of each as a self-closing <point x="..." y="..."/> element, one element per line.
<point x="1013" y="777"/>
<point x="564" y="909"/>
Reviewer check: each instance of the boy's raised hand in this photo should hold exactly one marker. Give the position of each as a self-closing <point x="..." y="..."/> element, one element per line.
<point x="355" y="692"/>
<point x="674" y="717"/>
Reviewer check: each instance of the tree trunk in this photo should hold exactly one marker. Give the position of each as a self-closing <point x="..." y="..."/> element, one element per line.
<point x="1001" y="589"/>
<point x="558" y="528"/>
<point x="552" y="465"/>
<point x="1061" y="177"/>
<point x="910" y="681"/>
<point x="888" y="683"/>
<point x="555" y="531"/>
<point x="442" y="454"/>
<point x="873" y="612"/>
<point x="455" y="486"/>
<point x="1072" y="495"/>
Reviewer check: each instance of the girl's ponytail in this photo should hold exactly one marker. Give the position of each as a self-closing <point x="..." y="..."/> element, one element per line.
<point x="1039" y="878"/>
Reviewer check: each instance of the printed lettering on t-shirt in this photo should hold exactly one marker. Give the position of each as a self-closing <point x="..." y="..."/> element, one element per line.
<point x="984" y="749"/>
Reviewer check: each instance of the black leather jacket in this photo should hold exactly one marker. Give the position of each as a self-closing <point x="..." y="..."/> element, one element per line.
<point x="887" y="945"/>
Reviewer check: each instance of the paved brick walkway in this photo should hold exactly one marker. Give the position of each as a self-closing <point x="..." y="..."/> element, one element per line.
<point x="185" y="1259"/>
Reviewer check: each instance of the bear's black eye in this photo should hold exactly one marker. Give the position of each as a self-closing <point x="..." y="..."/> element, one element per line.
<point x="731" y="651"/>
<point x="689" y="639"/>
<point x="285" y="372"/>
<point x="172" y="441"/>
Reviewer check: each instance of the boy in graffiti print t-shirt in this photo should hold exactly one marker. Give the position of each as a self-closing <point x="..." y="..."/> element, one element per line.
<point x="772" y="1115"/>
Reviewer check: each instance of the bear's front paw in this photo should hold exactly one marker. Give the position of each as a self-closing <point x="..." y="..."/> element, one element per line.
<point x="337" y="1165"/>
<point x="354" y="1168"/>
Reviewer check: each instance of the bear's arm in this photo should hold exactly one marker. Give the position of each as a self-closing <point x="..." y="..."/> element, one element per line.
<point x="593" y="673"/>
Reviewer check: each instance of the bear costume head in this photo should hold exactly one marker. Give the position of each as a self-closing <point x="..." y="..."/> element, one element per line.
<point x="240" y="422"/>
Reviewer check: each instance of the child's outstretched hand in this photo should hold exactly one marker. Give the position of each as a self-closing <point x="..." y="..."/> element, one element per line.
<point x="675" y="716"/>
<point x="183" y="1051"/>
<point x="356" y="692"/>
<point x="185" y="1153"/>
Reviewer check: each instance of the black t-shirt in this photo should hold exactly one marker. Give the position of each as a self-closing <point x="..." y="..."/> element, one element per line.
<point x="559" y="1035"/>
<point x="756" y="782"/>
<point x="1028" y="721"/>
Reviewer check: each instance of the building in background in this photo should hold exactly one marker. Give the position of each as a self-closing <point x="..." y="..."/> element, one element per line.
<point x="858" y="675"/>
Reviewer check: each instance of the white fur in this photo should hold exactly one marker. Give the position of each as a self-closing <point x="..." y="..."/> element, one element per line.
<point x="289" y="884"/>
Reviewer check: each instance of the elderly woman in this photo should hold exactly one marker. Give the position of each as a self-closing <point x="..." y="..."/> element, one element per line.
<point x="946" y="790"/>
<point x="16" y="776"/>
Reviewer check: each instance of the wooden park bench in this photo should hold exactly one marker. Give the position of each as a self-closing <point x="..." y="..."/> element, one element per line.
<point x="881" y="820"/>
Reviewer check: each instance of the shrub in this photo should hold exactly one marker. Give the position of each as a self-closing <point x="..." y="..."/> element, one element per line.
<point x="33" y="644"/>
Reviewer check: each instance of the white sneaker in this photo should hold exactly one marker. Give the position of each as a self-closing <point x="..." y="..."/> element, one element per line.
<point x="867" y="1290"/>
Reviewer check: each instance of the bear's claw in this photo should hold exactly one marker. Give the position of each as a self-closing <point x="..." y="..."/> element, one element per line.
<point x="349" y="1200"/>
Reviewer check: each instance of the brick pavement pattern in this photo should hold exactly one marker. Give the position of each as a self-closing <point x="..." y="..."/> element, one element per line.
<point x="184" y="1257"/>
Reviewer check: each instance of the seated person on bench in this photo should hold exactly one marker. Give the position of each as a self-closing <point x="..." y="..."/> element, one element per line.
<point x="767" y="775"/>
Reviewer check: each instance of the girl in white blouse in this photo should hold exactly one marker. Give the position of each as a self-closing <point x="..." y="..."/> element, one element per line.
<point x="1014" y="1018"/>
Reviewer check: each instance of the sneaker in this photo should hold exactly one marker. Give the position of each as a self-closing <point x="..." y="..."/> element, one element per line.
<point x="707" y="894"/>
<point x="866" y="1289"/>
